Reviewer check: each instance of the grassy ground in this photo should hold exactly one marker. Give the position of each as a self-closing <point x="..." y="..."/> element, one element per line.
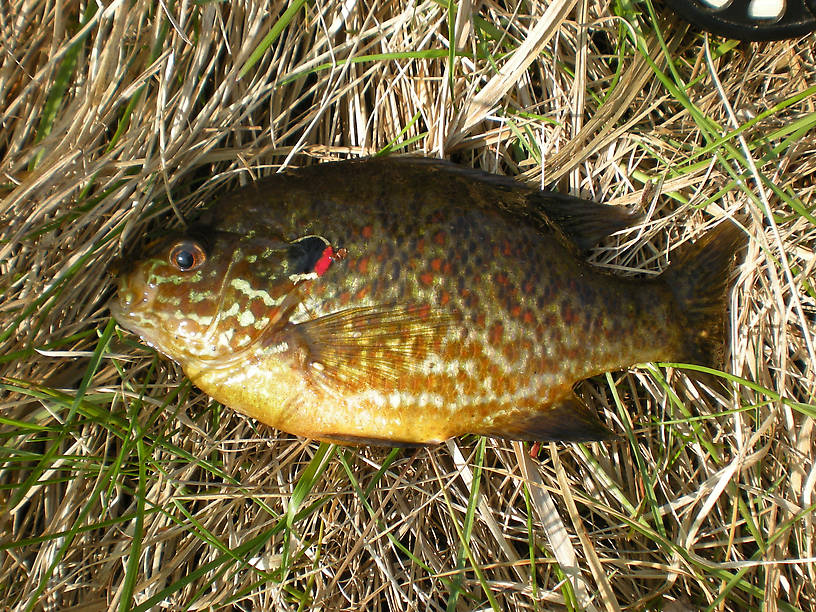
<point x="123" y="487"/>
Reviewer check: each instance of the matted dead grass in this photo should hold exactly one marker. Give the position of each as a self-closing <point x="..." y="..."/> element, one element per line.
<point x="125" y="488"/>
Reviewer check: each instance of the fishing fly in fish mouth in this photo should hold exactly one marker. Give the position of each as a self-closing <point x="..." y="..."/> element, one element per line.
<point x="404" y="301"/>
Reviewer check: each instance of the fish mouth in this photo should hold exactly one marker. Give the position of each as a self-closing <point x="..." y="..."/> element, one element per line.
<point x="123" y="317"/>
<point x="126" y="320"/>
<point x="131" y="299"/>
<point x="116" y="310"/>
<point x="148" y="333"/>
<point x="131" y="308"/>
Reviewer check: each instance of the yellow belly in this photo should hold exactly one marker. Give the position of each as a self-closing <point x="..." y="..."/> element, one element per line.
<point x="279" y="395"/>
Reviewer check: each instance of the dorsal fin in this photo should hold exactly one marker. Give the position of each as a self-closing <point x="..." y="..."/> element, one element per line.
<point x="585" y="223"/>
<point x="582" y="222"/>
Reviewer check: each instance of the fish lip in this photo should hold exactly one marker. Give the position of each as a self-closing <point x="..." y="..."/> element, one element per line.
<point x="116" y="267"/>
<point x="115" y="309"/>
<point x="124" y="318"/>
<point x="132" y="295"/>
<point x="151" y="336"/>
<point x="148" y="334"/>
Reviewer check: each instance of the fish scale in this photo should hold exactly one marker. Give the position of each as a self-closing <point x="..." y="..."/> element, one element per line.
<point x="405" y="301"/>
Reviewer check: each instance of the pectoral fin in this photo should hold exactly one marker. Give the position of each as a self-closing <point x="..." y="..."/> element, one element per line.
<point x="370" y="346"/>
<point x="569" y="420"/>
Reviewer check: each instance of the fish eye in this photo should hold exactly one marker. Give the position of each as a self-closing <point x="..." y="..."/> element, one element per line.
<point x="187" y="255"/>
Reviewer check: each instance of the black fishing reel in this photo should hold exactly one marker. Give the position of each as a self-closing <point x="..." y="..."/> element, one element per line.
<point x="750" y="19"/>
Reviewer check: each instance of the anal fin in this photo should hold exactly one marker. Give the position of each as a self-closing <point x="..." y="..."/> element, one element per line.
<point x="352" y="440"/>
<point x="568" y="420"/>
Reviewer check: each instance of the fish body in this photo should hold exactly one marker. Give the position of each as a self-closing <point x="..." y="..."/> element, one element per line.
<point x="407" y="301"/>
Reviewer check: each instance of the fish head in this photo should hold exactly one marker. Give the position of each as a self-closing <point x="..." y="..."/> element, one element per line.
<point x="197" y="298"/>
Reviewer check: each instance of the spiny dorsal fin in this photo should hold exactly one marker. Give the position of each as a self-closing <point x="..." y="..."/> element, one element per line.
<point x="370" y="346"/>
<point x="568" y="420"/>
<point x="585" y="223"/>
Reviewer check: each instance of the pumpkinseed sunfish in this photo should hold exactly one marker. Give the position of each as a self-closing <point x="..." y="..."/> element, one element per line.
<point x="404" y="301"/>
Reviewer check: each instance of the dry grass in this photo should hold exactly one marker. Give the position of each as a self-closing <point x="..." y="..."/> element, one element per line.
<point x="123" y="487"/>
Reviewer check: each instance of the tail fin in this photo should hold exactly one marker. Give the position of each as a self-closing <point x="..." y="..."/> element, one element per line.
<point x="699" y="279"/>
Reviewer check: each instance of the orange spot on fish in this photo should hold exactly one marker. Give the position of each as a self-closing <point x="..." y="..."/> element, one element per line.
<point x="426" y="278"/>
<point x="367" y="231"/>
<point x="496" y="333"/>
<point x="469" y="386"/>
<point x="257" y="308"/>
<point x="528" y="316"/>
<point x="362" y="265"/>
<point x="420" y="245"/>
<point x="447" y="268"/>
<point x="362" y="293"/>
<point x="515" y="311"/>
<point x="444" y="298"/>
<point x="452" y="351"/>
<point x="501" y="279"/>
<point x="202" y="308"/>
<point x="440" y="238"/>
<point x="436" y="264"/>
<point x="568" y="314"/>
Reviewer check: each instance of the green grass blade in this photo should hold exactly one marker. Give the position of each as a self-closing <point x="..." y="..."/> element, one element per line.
<point x="307" y="481"/>
<point x="51" y="453"/>
<point x="60" y="84"/>
<point x="473" y="500"/>
<point x="132" y="571"/>
<point x="271" y="36"/>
